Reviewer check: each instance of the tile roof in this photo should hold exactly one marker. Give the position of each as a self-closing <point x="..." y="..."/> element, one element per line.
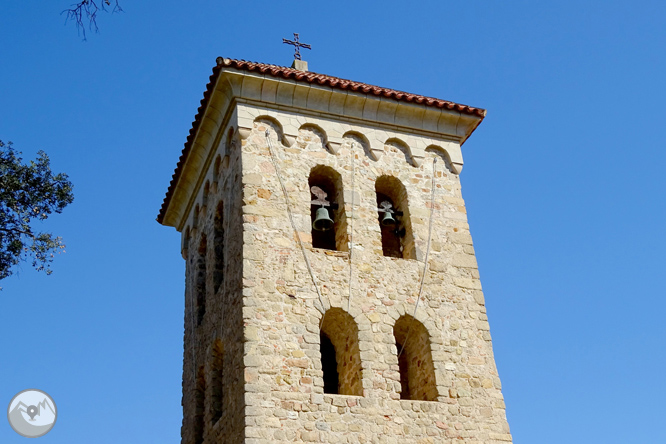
<point x="337" y="83"/>
<point x="300" y="76"/>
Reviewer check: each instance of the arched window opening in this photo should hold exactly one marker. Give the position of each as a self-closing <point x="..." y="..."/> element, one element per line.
<point x="200" y="284"/>
<point x="206" y="193"/>
<point x="329" y="364"/>
<point x="217" y="383"/>
<point x="217" y="166"/>
<point x="393" y="217"/>
<point x="199" y="407"/>
<point x="329" y="222"/>
<point x="403" y="365"/>
<point x="228" y="146"/>
<point x="417" y="372"/>
<point x="185" y="247"/>
<point x="195" y="219"/>
<point x="340" y="354"/>
<point x="218" y="246"/>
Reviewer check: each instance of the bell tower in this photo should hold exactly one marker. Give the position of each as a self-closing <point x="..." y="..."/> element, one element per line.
<point x="332" y="291"/>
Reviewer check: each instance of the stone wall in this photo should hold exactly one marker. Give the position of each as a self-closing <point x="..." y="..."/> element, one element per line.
<point x="213" y="410"/>
<point x="282" y="311"/>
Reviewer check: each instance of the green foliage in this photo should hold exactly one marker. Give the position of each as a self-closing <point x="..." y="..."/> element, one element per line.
<point x="28" y="193"/>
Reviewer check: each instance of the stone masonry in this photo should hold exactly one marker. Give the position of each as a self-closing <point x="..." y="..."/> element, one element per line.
<point x="256" y="318"/>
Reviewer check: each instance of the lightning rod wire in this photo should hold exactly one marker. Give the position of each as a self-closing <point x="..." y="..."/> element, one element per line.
<point x="351" y="228"/>
<point x="293" y="223"/>
<point x="425" y="262"/>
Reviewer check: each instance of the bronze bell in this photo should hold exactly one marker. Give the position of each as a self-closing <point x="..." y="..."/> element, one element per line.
<point x="322" y="220"/>
<point x="388" y="219"/>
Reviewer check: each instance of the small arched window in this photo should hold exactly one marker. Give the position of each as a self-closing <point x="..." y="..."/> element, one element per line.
<point x="329" y="223"/>
<point x="217" y="167"/>
<point x="206" y="193"/>
<point x="417" y="372"/>
<point x="217" y="382"/>
<point x="195" y="218"/>
<point x="229" y="144"/>
<point x="340" y="354"/>
<point x="200" y="280"/>
<point x="185" y="247"/>
<point x="394" y="221"/>
<point x="199" y="406"/>
<point x="218" y="247"/>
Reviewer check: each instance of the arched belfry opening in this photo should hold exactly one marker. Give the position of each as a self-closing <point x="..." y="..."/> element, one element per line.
<point x="200" y="279"/>
<point x="340" y="354"/>
<point x="417" y="371"/>
<point x="393" y="217"/>
<point x="327" y="209"/>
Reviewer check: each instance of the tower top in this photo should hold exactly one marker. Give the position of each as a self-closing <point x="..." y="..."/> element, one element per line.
<point x="296" y="89"/>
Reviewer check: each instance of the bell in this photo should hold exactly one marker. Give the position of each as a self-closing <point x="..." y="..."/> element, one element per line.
<point x="388" y="219"/>
<point x="322" y="221"/>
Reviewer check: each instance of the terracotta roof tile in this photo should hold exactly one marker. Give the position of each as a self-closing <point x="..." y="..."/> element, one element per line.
<point x="301" y="76"/>
<point x="338" y="83"/>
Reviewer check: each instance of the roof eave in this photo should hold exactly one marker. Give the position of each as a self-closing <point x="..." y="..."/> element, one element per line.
<point x="472" y="115"/>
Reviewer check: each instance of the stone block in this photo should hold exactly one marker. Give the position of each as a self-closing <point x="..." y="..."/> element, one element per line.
<point x="473" y="284"/>
<point x="464" y="261"/>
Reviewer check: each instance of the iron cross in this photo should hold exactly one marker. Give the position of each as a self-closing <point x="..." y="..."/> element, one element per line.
<point x="298" y="45"/>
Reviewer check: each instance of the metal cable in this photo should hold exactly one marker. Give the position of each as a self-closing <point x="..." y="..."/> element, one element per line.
<point x="351" y="228"/>
<point x="425" y="264"/>
<point x="291" y="219"/>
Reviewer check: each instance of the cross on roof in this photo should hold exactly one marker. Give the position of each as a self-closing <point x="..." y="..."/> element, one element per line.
<point x="298" y="45"/>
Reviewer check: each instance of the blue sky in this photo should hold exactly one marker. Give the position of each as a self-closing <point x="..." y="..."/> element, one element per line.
<point x="563" y="183"/>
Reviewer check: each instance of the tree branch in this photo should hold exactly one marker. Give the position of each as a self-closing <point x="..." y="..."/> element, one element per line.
<point x="86" y="11"/>
<point x="17" y="230"/>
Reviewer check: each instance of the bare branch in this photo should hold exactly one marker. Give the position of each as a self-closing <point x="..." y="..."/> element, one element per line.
<point x="84" y="13"/>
